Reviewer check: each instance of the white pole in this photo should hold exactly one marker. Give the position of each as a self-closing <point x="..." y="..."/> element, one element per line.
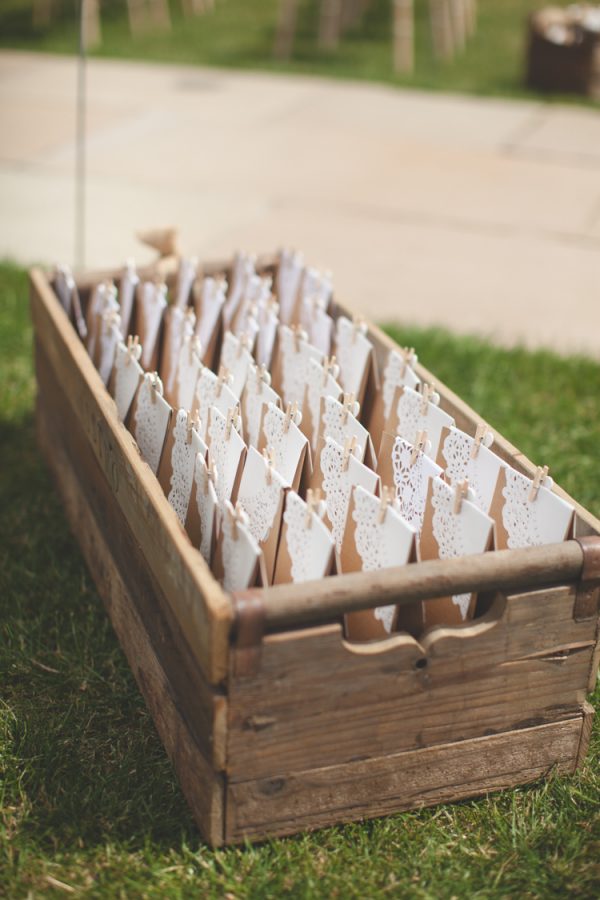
<point x="80" y="128"/>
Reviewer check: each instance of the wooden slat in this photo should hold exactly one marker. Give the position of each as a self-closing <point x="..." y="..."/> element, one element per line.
<point x="202" y="609"/>
<point x="503" y="570"/>
<point x="203" y="789"/>
<point x="374" y="787"/>
<point x="317" y="700"/>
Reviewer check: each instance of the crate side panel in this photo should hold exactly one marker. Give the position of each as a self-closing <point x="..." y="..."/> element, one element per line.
<point x="375" y="787"/>
<point x="202" y="787"/>
<point x="317" y="701"/>
<point x="202" y="609"/>
<point x="66" y="450"/>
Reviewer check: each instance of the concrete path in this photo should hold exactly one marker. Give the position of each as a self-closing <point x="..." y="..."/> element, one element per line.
<point x="481" y="215"/>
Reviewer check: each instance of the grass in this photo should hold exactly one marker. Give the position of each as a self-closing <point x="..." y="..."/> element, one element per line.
<point x="88" y="801"/>
<point x="240" y="34"/>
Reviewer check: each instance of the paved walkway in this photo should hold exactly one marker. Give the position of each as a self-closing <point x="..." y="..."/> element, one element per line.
<point x="481" y="215"/>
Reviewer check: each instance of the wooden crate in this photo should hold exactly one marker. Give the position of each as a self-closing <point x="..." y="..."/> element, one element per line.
<point x="273" y="721"/>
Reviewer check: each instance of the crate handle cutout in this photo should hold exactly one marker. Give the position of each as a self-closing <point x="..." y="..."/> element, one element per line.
<point x="550" y="565"/>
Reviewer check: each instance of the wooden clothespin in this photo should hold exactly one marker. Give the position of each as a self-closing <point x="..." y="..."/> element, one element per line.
<point x="232" y="419"/>
<point x="538" y="480"/>
<point x="329" y="364"/>
<point x="427" y="392"/>
<point x="134" y="351"/>
<point x="193" y="421"/>
<point x="194" y="346"/>
<point x="236" y="515"/>
<point x="313" y="499"/>
<point x="419" y="446"/>
<point x="291" y="411"/>
<point x="349" y="448"/>
<point x="223" y="376"/>
<point x="211" y="475"/>
<point x="156" y="385"/>
<point x="387" y="498"/>
<point x="407" y="354"/>
<point x="461" y="489"/>
<point x="348" y="403"/>
<point x="269" y="457"/>
<point x="359" y="323"/>
<point x="480" y="433"/>
<point x="244" y="343"/>
<point x="299" y="334"/>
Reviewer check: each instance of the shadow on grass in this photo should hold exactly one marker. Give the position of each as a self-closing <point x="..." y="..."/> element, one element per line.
<point x="82" y="761"/>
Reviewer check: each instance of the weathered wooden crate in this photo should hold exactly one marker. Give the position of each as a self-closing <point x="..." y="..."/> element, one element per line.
<point x="273" y="721"/>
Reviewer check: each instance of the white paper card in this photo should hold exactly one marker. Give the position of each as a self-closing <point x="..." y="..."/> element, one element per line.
<point x="189" y="366"/>
<point x="353" y="351"/>
<point x="411" y="481"/>
<point x="257" y="394"/>
<point x="289" y="275"/>
<point x="309" y="548"/>
<point x="416" y="414"/>
<point x="260" y="493"/>
<point x="481" y="470"/>
<point x="531" y="523"/>
<point x="236" y="359"/>
<point x="338" y="423"/>
<point x="152" y="416"/>
<point x="151" y="305"/>
<point x="185" y="279"/>
<point x="127" y="288"/>
<point x="207" y="503"/>
<point x="186" y="446"/>
<point x="208" y="311"/>
<point x="211" y="391"/>
<point x="294" y="355"/>
<point x="240" y="552"/>
<point x="225" y="450"/>
<point x="284" y="438"/>
<point x="338" y="482"/>
<point x="397" y="372"/>
<point x="319" y="384"/>
<point x="110" y="337"/>
<point x="128" y="374"/>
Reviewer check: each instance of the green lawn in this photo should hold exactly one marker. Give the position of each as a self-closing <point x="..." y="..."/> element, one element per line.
<point x="88" y="798"/>
<point x="240" y="33"/>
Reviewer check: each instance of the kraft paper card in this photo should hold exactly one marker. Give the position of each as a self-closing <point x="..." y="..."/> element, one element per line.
<point x="397" y="372"/>
<point x="211" y="391"/>
<point x="290" y="271"/>
<point x="108" y="340"/>
<point x="239" y="563"/>
<point x="338" y="421"/>
<point x="262" y="496"/>
<point x="281" y="436"/>
<point x="127" y="290"/>
<point x="335" y="473"/>
<point x="150" y="307"/>
<point x="452" y="527"/>
<point x="150" y="417"/>
<point x="186" y="275"/>
<point x="290" y="373"/>
<point x="202" y="514"/>
<point x="257" y="394"/>
<point x="320" y="382"/>
<point x="178" y="326"/>
<point x="236" y="358"/>
<point x="465" y="457"/>
<point x="176" y="470"/>
<point x="356" y="359"/>
<point x="126" y="377"/>
<point x="189" y="366"/>
<point x="407" y="470"/>
<point x="306" y="547"/>
<point x="376" y="537"/>
<point x="414" y="412"/>
<point x="226" y="451"/>
<point x="209" y="299"/>
<point x="526" y="516"/>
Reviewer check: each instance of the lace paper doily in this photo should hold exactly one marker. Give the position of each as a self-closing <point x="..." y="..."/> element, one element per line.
<point x="448" y="533"/>
<point x="519" y="516"/>
<point x="297" y="537"/>
<point x="205" y="501"/>
<point x="395" y="375"/>
<point x="261" y="508"/>
<point x="151" y="417"/>
<point x="410" y="483"/>
<point x="337" y="487"/>
<point x="182" y="464"/>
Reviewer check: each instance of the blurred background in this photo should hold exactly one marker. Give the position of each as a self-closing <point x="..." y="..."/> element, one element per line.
<point x="442" y="157"/>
